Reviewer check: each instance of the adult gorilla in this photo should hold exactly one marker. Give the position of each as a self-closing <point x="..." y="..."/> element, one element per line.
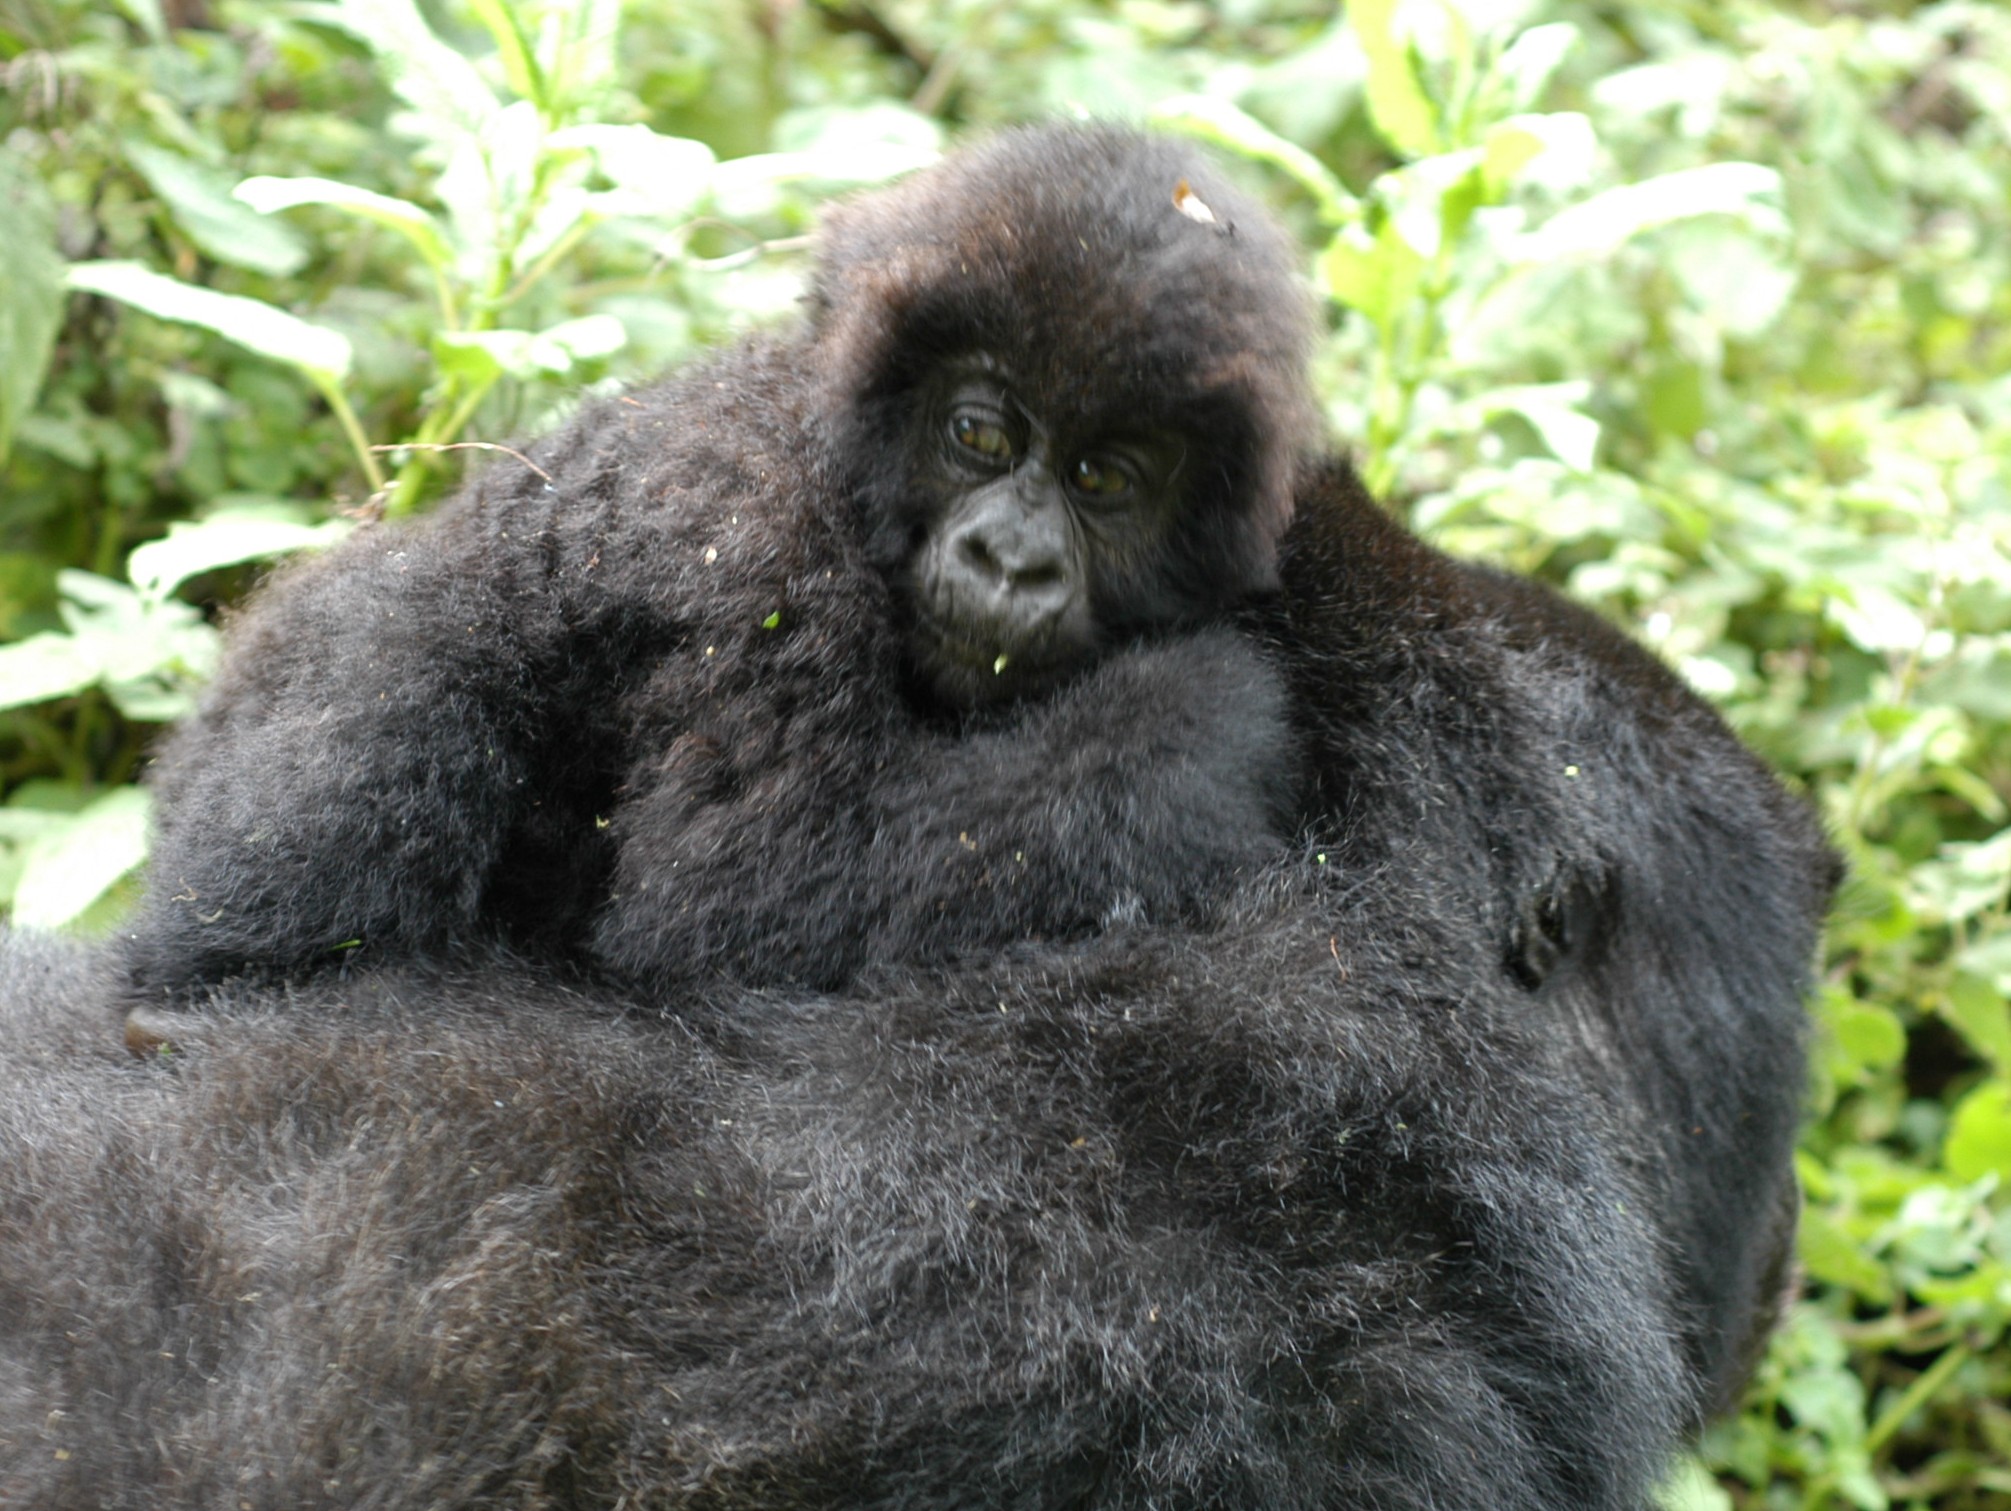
<point x="1331" y="1205"/>
<point x="1444" y="1164"/>
<point x="1304" y="1215"/>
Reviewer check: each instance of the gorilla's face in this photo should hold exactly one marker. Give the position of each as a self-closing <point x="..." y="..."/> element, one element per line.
<point x="1039" y="535"/>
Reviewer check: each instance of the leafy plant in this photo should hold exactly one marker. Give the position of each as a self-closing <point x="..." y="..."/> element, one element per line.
<point x="1702" y="312"/>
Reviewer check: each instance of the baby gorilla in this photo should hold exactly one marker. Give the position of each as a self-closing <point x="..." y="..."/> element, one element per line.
<point x="879" y="638"/>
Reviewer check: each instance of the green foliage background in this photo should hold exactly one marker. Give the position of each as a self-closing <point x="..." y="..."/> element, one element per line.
<point x="1702" y="311"/>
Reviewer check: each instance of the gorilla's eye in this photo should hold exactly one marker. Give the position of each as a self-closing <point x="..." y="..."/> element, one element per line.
<point x="984" y="436"/>
<point x="1099" y="477"/>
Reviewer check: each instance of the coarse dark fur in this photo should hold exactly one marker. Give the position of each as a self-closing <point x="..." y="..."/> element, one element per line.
<point x="652" y="697"/>
<point x="1306" y="1215"/>
<point x="1458" y="1148"/>
<point x="1448" y="1169"/>
<point x="1635" y="870"/>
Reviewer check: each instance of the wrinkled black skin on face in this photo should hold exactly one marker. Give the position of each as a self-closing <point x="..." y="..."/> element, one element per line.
<point x="1442" y="1161"/>
<point x="1019" y="571"/>
<point x="1357" y="1199"/>
<point x="691" y="696"/>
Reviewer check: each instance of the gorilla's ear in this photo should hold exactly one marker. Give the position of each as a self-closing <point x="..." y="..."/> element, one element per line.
<point x="1241" y="498"/>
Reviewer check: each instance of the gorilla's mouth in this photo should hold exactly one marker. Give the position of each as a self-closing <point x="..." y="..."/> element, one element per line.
<point x="973" y="667"/>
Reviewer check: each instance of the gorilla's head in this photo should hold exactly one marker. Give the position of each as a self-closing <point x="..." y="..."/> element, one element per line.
<point x="1067" y="373"/>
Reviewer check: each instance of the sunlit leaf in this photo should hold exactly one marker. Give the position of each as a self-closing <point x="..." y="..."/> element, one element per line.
<point x="513" y="46"/>
<point x="224" y="538"/>
<point x="256" y="326"/>
<point x="1526" y="65"/>
<point x="1398" y="105"/>
<point x="44" y="666"/>
<point x="1598" y="226"/>
<point x="485" y="355"/>
<point x="268" y="195"/>
<point x="668" y="176"/>
<point x="1979" y="1134"/>
<point x="1981" y="1011"/>
<point x="578" y="45"/>
<point x="77" y="862"/>
<point x="1376" y="274"/>
<point x="199" y="197"/>
<point x="445" y="89"/>
<point x="1689" y="1487"/>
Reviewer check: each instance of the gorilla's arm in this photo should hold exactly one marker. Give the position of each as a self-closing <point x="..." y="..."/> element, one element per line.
<point x="1136" y="793"/>
<point x="655" y="664"/>
<point x="353" y="772"/>
<point x="418" y="737"/>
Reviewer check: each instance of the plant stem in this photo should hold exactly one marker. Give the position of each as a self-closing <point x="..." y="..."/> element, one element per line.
<point x="1916" y="1395"/>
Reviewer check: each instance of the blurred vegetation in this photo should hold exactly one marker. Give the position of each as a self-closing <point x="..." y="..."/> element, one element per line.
<point x="1702" y="311"/>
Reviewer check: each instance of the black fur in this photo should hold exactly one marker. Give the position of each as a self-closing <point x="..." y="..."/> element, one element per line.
<point x="1445" y="1163"/>
<point x="1322" y="1206"/>
<point x="1634" y="870"/>
<point x="1309" y="1214"/>
<point x="650" y="695"/>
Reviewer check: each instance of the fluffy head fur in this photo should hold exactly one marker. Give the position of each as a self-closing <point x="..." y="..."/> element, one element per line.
<point x="1074" y="258"/>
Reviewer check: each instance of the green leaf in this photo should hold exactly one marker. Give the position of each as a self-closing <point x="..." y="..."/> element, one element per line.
<point x="1553" y="411"/>
<point x="1430" y="201"/>
<point x="146" y="653"/>
<point x="77" y="862"/>
<point x="668" y="176"/>
<point x="1876" y="619"/>
<point x="1526" y="65"/>
<point x="147" y="15"/>
<point x="832" y="147"/>
<point x="520" y="66"/>
<point x="1964" y="879"/>
<point x="1398" y="105"/>
<point x="482" y="356"/>
<point x="1376" y="274"/>
<point x="1739" y="282"/>
<point x="1979" y="1135"/>
<point x="1829" y="1253"/>
<point x="322" y="353"/>
<point x="1689" y="1487"/>
<point x="1989" y="958"/>
<point x="1864" y="1037"/>
<point x="1507" y="150"/>
<point x="1981" y="1013"/>
<point x="44" y="666"/>
<point x="268" y="195"/>
<point x="199" y="198"/>
<point x="247" y="532"/>
<point x="31" y="294"/>
<point x="1599" y="226"/>
<point x="578" y="43"/>
<point x="444" y="88"/>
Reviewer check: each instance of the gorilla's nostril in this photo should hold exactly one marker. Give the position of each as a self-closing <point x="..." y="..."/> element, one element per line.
<point x="978" y="557"/>
<point x="1041" y="575"/>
